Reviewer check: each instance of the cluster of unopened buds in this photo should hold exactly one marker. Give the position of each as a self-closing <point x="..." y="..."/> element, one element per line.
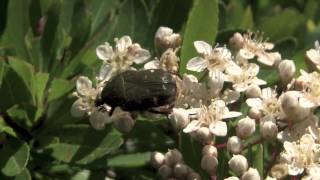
<point x="229" y="79"/>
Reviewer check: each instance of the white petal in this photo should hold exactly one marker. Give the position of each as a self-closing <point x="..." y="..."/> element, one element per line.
<point x="233" y="69"/>
<point x="266" y="59"/>
<point x="192" y="126"/>
<point x="255" y="103"/>
<point x="306" y="103"/>
<point x="259" y="82"/>
<point x="105" y="52"/>
<point x="105" y="72"/>
<point x="253" y="69"/>
<point x="294" y="170"/>
<point x="202" y="47"/>
<point x="218" y="128"/>
<point x="231" y="114"/>
<point x="123" y="43"/>
<point x="141" y="56"/>
<point x="76" y="109"/>
<point x="230" y="96"/>
<point x="197" y="64"/>
<point x="84" y="85"/>
<point x="154" y="64"/>
<point x="267" y="45"/>
<point x="246" y="54"/>
<point x="314" y="56"/>
<point x="266" y="93"/>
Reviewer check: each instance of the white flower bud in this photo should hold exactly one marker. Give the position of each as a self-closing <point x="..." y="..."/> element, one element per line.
<point x="251" y="174"/>
<point x="245" y="127"/>
<point x="99" y="118"/>
<point x="180" y="170"/>
<point x="179" y="118"/>
<point x="165" y="172"/>
<point x="279" y="171"/>
<point x="253" y="91"/>
<point x="291" y="107"/>
<point x="193" y="176"/>
<point x="254" y="113"/>
<point x="210" y="150"/>
<point x="234" y="145"/>
<point x="122" y="120"/>
<point x="232" y="178"/>
<point x="269" y="130"/>
<point x="238" y="164"/>
<point x="204" y="135"/>
<point x="165" y="39"/>
<point x="157" y="159"/>
<point x="173" y="157"/>
<point x="209" y="164"/>
<point x="286" y="70"/>
<point x="170" y="61"/>
<point x="77" y="110"/>
<point x="236" y="41"/>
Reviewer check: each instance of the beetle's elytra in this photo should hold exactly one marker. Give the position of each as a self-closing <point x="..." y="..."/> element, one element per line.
<point x="140" y="90"/>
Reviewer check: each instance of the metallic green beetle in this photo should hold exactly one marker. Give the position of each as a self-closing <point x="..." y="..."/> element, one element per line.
<point x="139" y="90"/>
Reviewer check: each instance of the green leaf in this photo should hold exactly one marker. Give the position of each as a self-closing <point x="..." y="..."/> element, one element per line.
<point x="17" y="26"/>
<point x="82" y="144"/>
<point x="247" y="21"/>
<point x="130" y="160"/>
<point x="202" y="25"/>
<point x="59" y="88"/>
<point x="14" y="157"/>
<point x="25" y="71"/>
<point x="6" y="129"/>
<point x="24" y="175"/>
<point x="258" y="158"/>
<point x="41" y="80"/>
<point x="2" y="69"/>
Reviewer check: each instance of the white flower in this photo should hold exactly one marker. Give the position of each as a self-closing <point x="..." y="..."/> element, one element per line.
<point x="313" y="56"/>
<point x="268" y="104"/>
<point x="244" y="77"/>
<point x="311" y="89"/>
<point x="300" y="155"/>
<point x="254" y="45"/>
<point x="191" y="92"/>
<point x="168" y="61"/>
<point x="218" y="58"/>
<point x="212" y="117"/>
<point x="122" y="56"/>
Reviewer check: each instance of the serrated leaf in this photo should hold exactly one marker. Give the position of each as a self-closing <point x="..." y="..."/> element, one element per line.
<point x="82" y="144"/>
<point x="202" y="25"/>
<point x="129" y="160"/>
<point x="14" y="157"/>
<point x="59" y="88"/>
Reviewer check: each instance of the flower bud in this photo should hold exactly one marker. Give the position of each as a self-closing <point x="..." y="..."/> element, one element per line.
<point x="251" y="174"/>
<point x="209" y="150"/>
<point x="279" y="171"/>
<point x="77" y="110"/>
<point x="179" y="118"/>
<point x="286" y="70"/>
<point x="173" y="157"/>
<point x="204" y="135"/>
<point x="157" y="159"/>
<point x="170" y="61"/>
<point x="291" y="107"/>
<point x="99" y="118"/>
<point x="238" y="164"/>
<point x="232" y="178"/>
<point x="253" y="91"/>
<point x="245" y="127"/>
<point x="193" y="176"/>
<point x="165" y="39"/>
<point x="254" y="113"/>
<point x="122" y="120"/>
<point x="180" y="170"/>
<point x="269" y="130"/>
<point x="234" y="145"/>
<point x="236" y="41"/>
<point x="165" y="172"/>
<point x="209" y="164"/>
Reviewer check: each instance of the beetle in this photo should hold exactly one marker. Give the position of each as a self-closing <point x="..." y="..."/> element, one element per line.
<point x="139" y="90"/>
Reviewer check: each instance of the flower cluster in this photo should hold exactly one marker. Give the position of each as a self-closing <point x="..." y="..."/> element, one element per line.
<point x="229" y="79"/>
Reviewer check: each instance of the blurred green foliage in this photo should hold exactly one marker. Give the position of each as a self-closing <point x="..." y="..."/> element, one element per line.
<point x="46" y="44"/>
